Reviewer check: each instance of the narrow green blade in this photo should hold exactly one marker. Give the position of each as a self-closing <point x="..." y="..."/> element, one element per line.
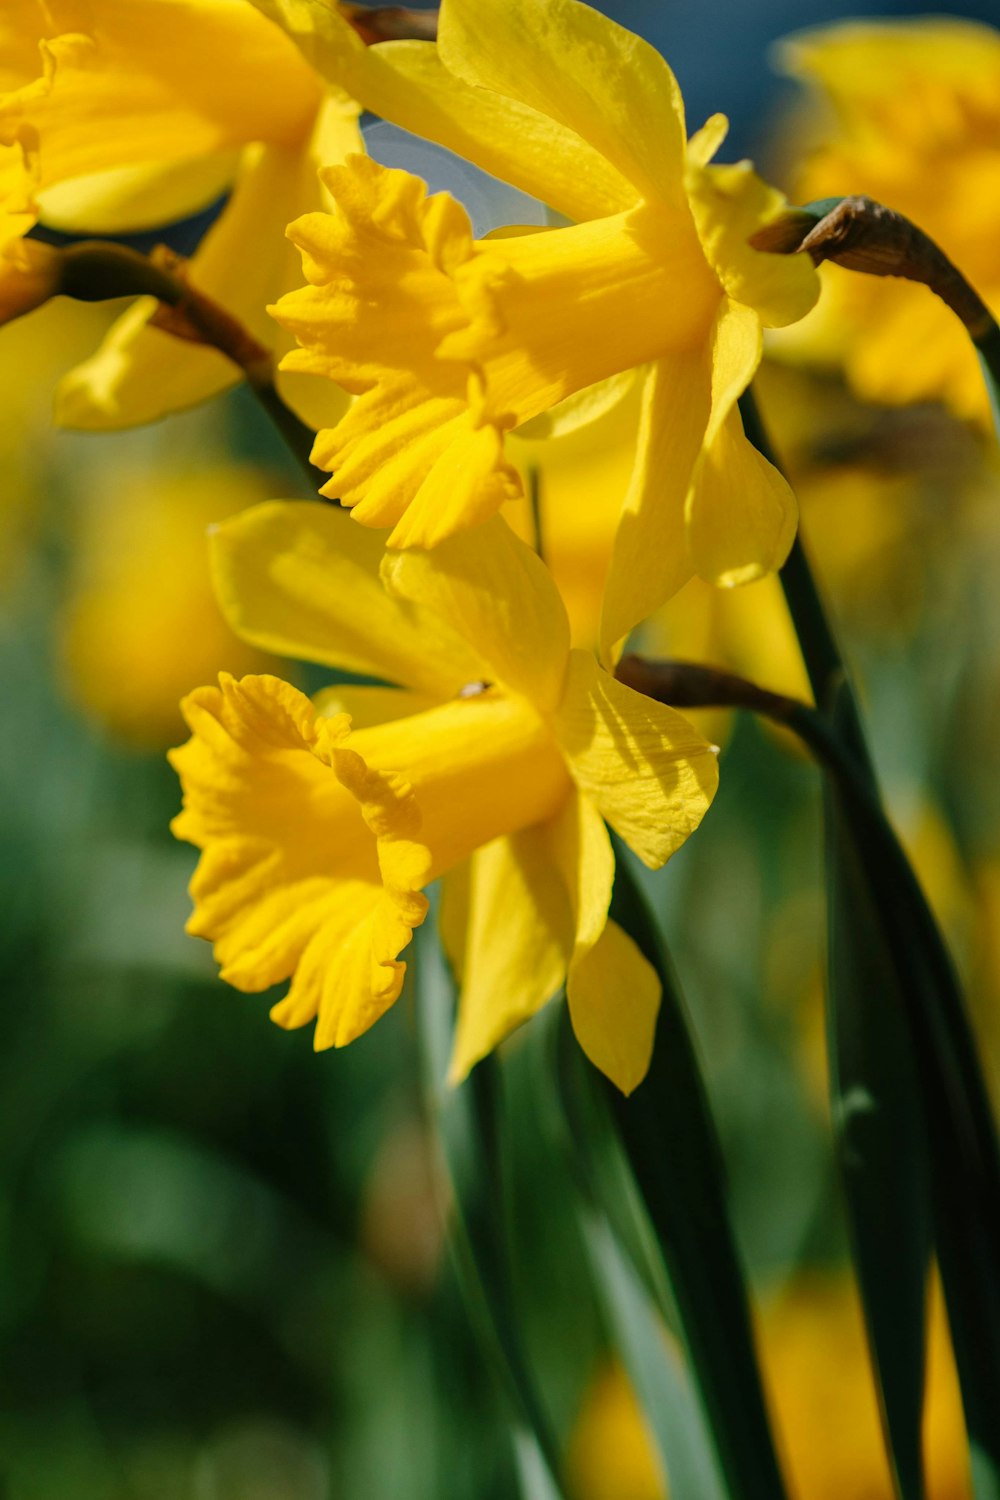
<point x="878" y="1127"/>
<point x="467" y="1125"/>
<point x="669" y="1137"/>
<point x="958" y="1124"/>
<point x="629" y="1276"/>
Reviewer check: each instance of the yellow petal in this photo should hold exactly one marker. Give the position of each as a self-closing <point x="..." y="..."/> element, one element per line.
<point x="576" y="66"/>
<point x="729" y="204"/>
<point x="516" y="942"/>
<point x="705" y="142"/>
<point x="614" y="997"/>
<point x="300" y="576"/>
<point x="611" y="990"/>
<point x="407" y="83"/>
<point x="140" y="373"/>
<point x="497" y="594"/>
<point x="311" y="859"/>
<point x="649" y="559"/>
<point x="149" y="82"/>
<point x="126" y="200"/>
<point x="742" y="513"/>
<point x="644" y="767"/>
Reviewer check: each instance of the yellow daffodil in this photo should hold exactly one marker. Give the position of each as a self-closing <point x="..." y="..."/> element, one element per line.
<point x="451" y="342"/>
<point x="119" y="117"/>
<point x="914" y="123"/>
<point x="493" y="761"/>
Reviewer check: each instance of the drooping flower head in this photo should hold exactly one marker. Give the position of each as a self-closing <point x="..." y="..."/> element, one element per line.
<point x="907" y="112"/>
<point x="450" y="342"/>
<point x="493" y="761"/>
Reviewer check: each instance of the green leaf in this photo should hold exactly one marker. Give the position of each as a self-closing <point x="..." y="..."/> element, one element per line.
<point x="878" y="1127"/>
<point x="468" y="1129"/>
<point x="629" y="1276"/>
<point x="959" y="1127"/>
<point x="669" y="1137"/>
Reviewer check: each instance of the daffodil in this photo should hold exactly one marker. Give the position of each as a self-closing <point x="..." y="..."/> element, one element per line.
<point x="907" y="112"/>
<point x="493" y="760"/>
<point x="122" y="117"/>
<point x="449" y="342"/>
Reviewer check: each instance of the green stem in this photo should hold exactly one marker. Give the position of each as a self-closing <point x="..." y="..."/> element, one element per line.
<point x="960" y="1128"/>
<point x="669" y="1136"/>
<point x="297" y="437"/>
<point x="988" y="348"/>
<point x="468" y="1126"/>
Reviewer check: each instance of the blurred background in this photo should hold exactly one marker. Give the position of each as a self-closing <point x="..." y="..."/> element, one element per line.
<point x="223" y="1274"/>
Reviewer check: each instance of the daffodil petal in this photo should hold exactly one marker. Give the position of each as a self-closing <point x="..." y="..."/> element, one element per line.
<point x="126" y="200"/>
<point x="649" y="558"/>
<point x="140" y="373"/>
<point x="705" y="142"/>
<point x="497" y="594"/>
<point x="582" y="70"/>
<point x="407" y="83"/>
<point x="516" y="945"/>
<point x="741" y="513"/>
<point x="302" y="577"/>
<point x="647" y="771"/>
<point x="736" y="349"/>
<point x="582" y="851"/>
<point x="614" y="998"/>
<point x="729" y="204"/>
<point x="612" y="992"/>
<point x="148" y="82"/>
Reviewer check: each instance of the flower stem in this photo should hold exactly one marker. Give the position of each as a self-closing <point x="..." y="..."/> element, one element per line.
<point x="954" y="1104"/>
<point x="95" y="270"/>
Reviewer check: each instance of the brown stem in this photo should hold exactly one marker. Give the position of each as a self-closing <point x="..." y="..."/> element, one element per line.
<point x="686" y="684"/>
<point x="392" y="23"/>
<point x="866" y="236"/>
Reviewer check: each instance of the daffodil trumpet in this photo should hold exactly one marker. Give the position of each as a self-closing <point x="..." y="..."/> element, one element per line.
<point x="492" y="762"/>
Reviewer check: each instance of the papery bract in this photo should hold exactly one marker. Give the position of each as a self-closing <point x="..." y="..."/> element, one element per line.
<point x="915" y="124"/>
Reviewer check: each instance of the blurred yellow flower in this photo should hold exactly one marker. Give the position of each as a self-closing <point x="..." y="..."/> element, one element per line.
<point x="120" y="117"/>
<point x="816" y="1365"/>
<point x="907" y="112"/>
<point x="494" y="763"/>
<point x="450" y="342"/>
<point x="141" y="625"/>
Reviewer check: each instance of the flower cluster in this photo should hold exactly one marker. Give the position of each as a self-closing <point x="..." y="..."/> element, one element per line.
<point x="483" y="749"/>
